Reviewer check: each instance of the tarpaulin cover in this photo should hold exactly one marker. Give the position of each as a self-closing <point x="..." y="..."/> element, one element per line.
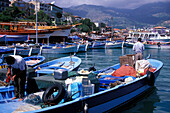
<point x="125" y="71"/>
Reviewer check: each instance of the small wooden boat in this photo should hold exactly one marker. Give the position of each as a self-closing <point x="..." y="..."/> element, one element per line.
<point x="113" y="44"/>
<point x="105" y="100"/>
<point x="83" y="47"/>
<point x="34" y="60"/>
<point x="98" y="44"/>
<point x="60" y="49"/>
<point x="156" y="46"/>
<point x="128" y="44"/>
<point x="70" y="63"/>
<point x="4" y="50"/>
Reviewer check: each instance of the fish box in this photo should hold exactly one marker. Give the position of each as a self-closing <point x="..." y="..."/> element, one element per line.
<point x="127" y="59"/>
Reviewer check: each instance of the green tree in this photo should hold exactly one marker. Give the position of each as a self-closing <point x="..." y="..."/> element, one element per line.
<point x="84" y="28"/>
<point x="11" y="14"/>
<point x="43" y="17"/>
<point x="87" y="25"/>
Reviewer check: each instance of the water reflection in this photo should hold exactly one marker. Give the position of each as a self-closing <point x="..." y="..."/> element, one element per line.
<point x="146" y="105"/>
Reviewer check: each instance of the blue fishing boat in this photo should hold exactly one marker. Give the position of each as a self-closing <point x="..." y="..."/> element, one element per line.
<point x="113" y="44"/>
<point x="70" y="63"/>
<point x="59" y="49"/>
<point x="105" y="100"/>
<point x="157" y="46"/>
<point x="83" y="47"/>
<point x="34" y="60"/>
<point x="4" y="50"/>
<point x="98" y="44"/>
<point x="26" y="49"/>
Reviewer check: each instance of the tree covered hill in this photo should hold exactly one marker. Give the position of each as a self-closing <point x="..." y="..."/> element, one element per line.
<point x="146" y="15"/>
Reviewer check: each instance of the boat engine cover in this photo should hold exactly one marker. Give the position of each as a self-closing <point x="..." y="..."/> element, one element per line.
<point x="60" y="74"/>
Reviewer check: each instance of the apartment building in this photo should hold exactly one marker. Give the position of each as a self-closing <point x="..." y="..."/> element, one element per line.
<point x="41" y="6"/>
<point x="4" y="4"/>
<point x="55" y="12"/>
<point x="28" y="8"/>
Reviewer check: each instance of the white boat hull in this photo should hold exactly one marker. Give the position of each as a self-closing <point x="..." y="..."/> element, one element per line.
<point x="150" y="46"/>
<point x="60" y="50"/>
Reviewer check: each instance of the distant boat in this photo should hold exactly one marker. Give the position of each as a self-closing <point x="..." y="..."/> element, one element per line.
<point x="70" y="63"/>
<point x="128" y="44"/>
<point x="60" y="30"/>
<point x="98" y="44"/>
<point x="113" y="44"/>
<point x="60" y="49"/>
<point x="4" y="50"/>
<point x="20" y="28"/>
<point x="157" y="45"/>
<point x="26" y="50"/>
<point x="34" y="60"/>
<point x="83" y="47"/>
<point x="149" y="36"/>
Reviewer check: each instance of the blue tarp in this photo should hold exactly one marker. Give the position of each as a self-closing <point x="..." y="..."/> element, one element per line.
<point x="74" y="37"/>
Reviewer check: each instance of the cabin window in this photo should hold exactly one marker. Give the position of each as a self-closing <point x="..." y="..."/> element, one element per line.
<point x="6" y="27"/>
<point x="15" y="27"/>
<point x="0" y="27"/>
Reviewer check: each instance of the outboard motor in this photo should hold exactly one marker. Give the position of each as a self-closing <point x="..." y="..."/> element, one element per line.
<point x="92" y="68"/>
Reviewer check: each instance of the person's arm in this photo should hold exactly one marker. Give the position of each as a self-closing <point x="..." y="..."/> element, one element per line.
<point x="8" y="72"/>
<point x="16" y="75"/>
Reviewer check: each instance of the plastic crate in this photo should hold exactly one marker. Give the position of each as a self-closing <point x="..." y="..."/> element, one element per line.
<point x="88" y="89"/>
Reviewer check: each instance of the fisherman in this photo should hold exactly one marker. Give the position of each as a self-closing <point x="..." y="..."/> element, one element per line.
<point x="18" y="66"/>
<point x="159" y="45"/>
<point x="138" y="48"/>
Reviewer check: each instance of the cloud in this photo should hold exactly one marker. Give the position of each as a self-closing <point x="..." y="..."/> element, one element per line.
<point x="107" y="3"/>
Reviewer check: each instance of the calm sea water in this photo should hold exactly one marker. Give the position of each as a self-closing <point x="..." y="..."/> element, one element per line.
<point x="158" y="101"/>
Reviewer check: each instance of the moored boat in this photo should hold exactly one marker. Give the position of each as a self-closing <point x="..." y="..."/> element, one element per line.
<point x="70" y="63"/>
<point x="113" y="44"/>
<point x="83" y="47"/>
<point x="34" y="60"/>
<point x="60" y="49"/>
<point x="108" y="98"/>
<point x="98" y="45"/>
<point x="157" y="45"/>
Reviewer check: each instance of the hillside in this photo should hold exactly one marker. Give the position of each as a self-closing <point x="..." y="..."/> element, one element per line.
<point x="146" y="15"/>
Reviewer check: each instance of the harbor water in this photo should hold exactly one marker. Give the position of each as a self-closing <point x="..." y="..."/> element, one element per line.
<point x="157" y="101"/>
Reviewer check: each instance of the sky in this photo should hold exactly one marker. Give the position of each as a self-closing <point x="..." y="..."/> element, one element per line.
<point x="130" y="4"/>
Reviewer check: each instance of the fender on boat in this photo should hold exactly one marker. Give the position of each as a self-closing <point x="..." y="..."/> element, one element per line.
<point x="150" y="78"/>
<point x="54" y="94"/>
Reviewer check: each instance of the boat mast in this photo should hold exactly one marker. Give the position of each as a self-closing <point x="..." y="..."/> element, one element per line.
<point x="112" y="28"/>
<point x="36" y="24"/>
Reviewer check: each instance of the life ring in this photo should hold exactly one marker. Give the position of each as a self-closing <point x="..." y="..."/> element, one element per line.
<point x="50" y="98"/>
<point x="150" y="78"/>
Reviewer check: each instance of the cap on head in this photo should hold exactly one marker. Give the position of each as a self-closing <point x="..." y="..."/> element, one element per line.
<point x="10" y="60"/>
<point x="139" y="39"/>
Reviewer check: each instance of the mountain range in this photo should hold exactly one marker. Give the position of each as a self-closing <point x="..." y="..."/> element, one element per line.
<point x="153" y="14"/>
